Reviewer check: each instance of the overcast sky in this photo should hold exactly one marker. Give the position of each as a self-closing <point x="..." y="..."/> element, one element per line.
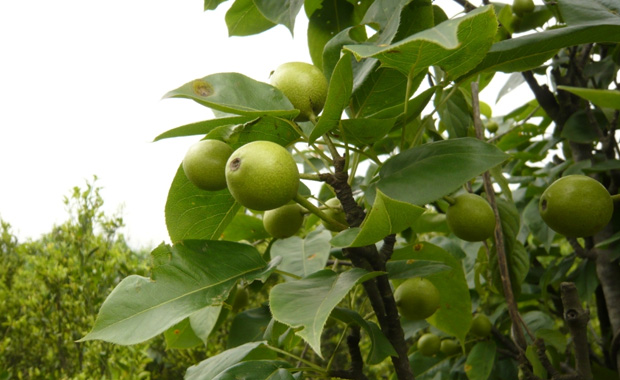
<point x="80" y="95"/>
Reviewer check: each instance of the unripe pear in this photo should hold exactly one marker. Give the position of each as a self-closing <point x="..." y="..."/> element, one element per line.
<point x="262" y="175"/>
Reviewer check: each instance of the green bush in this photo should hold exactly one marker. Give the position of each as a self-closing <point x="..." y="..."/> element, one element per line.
<point x="51" y="289"/>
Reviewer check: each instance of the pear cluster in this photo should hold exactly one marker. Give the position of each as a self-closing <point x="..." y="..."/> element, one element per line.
<point x="260" y="175"/>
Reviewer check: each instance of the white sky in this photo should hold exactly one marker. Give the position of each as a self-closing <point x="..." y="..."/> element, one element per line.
<point x="80" y="95"/>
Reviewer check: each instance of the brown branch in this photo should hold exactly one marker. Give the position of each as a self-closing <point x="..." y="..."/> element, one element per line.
<point x="379" y="290"/>
<point x="580" y="251"/>
<point x="577" y="321"/>
<point x="545" y="98"/>
<point x="357" y="362"/>
<point x="513" y="310"/>
<point x="388" y="247"/>
<point x="467" y="6"/>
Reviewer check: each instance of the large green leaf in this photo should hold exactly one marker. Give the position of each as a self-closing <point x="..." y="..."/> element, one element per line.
<point x="237" y="94"/>
<point x="454" y="113"/>
<point x="306" y="304"/>
<point x="210" y="368"/>
<point x="454" y="313"/>
<point x="383" y="88"/>
<point x="366" y="131"/>
<point x="245" y="227"/>
<point x="326" y="19"/>
<point x="303" y="256"/>
<point x="338" y="94"/>
<point x="402" y="269"/>
<point x="387" y="23"/>
<point x="248" y="326"/>
<point x="204" y="321"/>
<point x="588" y="22"/>
<point x="428" y="172"/>
<point x="257" y="370"/>
<point x="456" y="45"/>
<point x="517" y="257"/>
<point x="186" y="278"/>
<point x="266" y="128"/>
<point x="280" y="12"/>
<point x="387" y="216"/>
<point x="181" y="335"/>
<point x="192" y="213"/>
<point x="202" y="127"/>
<point x="380" y="348"/>
<point x="600" y="98"/>
<point x="212" y="4"/>
<point x="480" y="361"/>
<point x="244" y="18"/>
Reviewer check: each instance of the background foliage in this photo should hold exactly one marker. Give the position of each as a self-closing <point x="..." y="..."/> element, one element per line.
<point x="51" y="289"/>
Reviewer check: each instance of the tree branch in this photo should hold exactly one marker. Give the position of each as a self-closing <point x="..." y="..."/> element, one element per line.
<point x="467" y="6"/>
<point x="545" y="97"/>
<point x="357" y="362"/>
<point x="577" y="321"/>
<point x="379" y="290"/>
<point x="513" y="310"/>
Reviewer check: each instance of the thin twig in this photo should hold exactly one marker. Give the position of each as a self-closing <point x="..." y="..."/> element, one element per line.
<point x="467" y="6"/>
<point x="513" y="310"/>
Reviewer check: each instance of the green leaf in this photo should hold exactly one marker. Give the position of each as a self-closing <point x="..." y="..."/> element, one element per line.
<point x="204" y="321"/>
<point x="480" y="361"/>
<point x="266" y="128"/>
<point x="451" y="45"/>
<point x="244" y="18"/>
<point x="366" y="131"/>
<point x="578" y="127"/>
<point x="538" y="228"/>
<point x="415" y="17"/>
<point x="186" y="278"/>
<point x="431" y="221"/>
<point x="428" y="172"/>
<point x="553" y="338"/>
<point x="306" y="304"/>
<point x="202" y="127"/>
<point x="600" y="98"/>
<point x="383" y="88"/>
<point x="257" y="370"/>
<point x="415" y="107"/>
<point x="402" y="269"/>
<point x="212" y="4"/>
<point x="280" y="12"/>
<point x="237" y="94"/>
<point x="518" y="262"/>
<point x="454" y="113"/>
<point x="454" y="314"/>
<point x="208" y="369"/>
<point x="245" y="227"/>
<point x="380" y="348"/>
<point x="338" y="94"/>
<point x="303" y="256"/>
<point x="325" y="21"/>
<point x="181" y="336"/>
<point x="517" y="256"/>
<point x="387" y="216"/>
<point x="248" y="326"/>
<point x="588" y="24"/>
<point x="192" y="213"/>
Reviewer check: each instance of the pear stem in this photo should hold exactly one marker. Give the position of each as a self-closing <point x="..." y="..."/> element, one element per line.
<point x="615" y="198"/>
<point x="311" y="177"/>
<point x="316" y="211"/>
<point x="449" y="199"/>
